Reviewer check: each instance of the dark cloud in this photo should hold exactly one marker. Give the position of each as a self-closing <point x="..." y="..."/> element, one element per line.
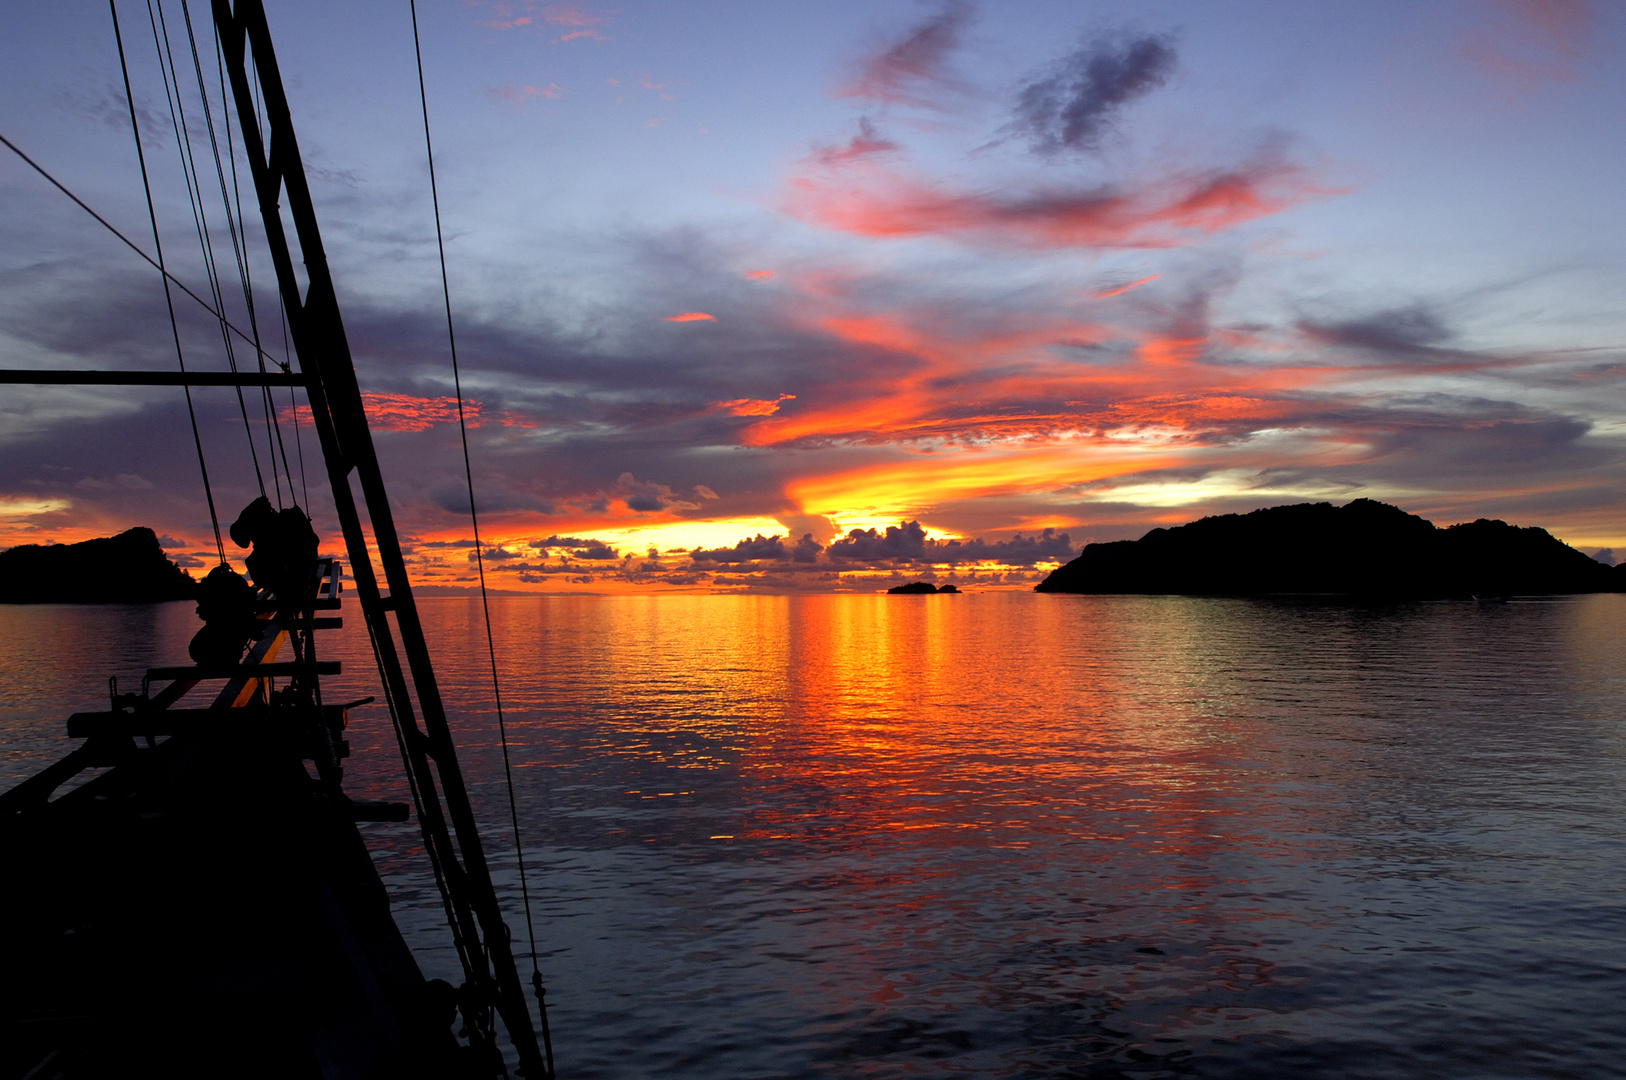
<point x="109" y="106"/>
<point x="905" y="542"/>
<point x="1405" y="331"/>
<point x="1072" y="107"/>
<point x="806" y="550"/>
<point x="761" y="548"/>
<point x="554" y="542"/>
<point x="1019" y="550"/>
<point x="577" y="547"/>
<point x="453" y="498"/>
<point x="645" y="496"/>
<point x="904" y="71"/>
<point x="752" y="549"/>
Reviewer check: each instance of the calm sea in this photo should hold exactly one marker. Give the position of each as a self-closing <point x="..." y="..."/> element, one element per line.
<point x="1013" y="835"/>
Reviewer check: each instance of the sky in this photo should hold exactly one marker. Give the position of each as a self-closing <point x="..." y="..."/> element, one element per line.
<point x="827" y="296"/>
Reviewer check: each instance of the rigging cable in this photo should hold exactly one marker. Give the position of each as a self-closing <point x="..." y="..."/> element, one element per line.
<point x="267" y="399"/>
<point x="169" y="278"/>
<point x="479" y="559"/>
<point x="174" y="327"/>
<point x="287" y="362"/>
<point x="293" y="407"/>
<point x="194" y="193"/>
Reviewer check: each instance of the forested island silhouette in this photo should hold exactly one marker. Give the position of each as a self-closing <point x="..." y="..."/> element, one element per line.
<point x="1363" y="549"/>
<point x="130" y="568"/>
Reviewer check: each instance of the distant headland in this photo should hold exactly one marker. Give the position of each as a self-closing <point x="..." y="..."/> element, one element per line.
<point x="921" y="588"/>
<point x="130" y="568"/>
<point x="1364" y="549"/>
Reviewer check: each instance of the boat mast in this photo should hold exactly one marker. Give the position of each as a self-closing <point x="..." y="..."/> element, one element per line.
<point x="412" y="693"/>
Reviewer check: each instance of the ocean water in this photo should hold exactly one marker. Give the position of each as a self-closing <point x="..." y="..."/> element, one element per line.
<point x="1011" y="835"/>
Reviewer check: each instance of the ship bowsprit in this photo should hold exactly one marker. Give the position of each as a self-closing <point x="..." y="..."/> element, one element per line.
<point x="206" y="905"/>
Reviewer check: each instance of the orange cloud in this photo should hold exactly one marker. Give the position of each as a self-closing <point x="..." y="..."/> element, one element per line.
<point x="869" y="199"/>
<point x="1121" y="289"/>
<point x="751" y="406"/>
<point x="758" y="275"/>
<point x="691" y="316"/>
<point x="403" y="412"/>
<point x="1172" y="350"/>
<point x="954" y="377"/>
<point x="917" y="484"/>
<point x="408" y="412"/>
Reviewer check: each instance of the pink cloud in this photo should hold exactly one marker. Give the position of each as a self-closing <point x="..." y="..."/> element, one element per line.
<point x="1529" y="42"/>
<point x="864" y="144"/>
<point x="691" y="316"/>
<point x="757" y="275"/>
<point x="871" y="200"/>
<point x="518" y="95"/>
<point x="571" y="15"/>
<point x="1121" y="289"/>
<point x="900" y="73"/>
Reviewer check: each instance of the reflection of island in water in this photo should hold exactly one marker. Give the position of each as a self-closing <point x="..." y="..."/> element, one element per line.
<point x="1366" y="548"/>
<point x="921" y="588"/>
<point x="130" y="568"/>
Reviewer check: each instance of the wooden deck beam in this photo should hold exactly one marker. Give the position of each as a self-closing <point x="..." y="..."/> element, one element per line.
<point x="149" y="378"/>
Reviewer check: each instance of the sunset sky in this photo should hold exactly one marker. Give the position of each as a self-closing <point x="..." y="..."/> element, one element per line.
<point x="812" y="296"/>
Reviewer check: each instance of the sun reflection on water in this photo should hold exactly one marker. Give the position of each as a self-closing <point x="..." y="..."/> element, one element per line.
<point x="1023" y="835"/>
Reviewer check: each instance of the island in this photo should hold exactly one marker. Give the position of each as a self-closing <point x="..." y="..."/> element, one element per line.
<point x="130" y="568"/>
<point x="920" y="588"/>
<point x="1363" y="549"/>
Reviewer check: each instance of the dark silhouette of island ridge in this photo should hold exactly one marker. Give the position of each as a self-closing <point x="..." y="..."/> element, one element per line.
<point x="1363" y="549"/>
<point x="129" y="568"/>
<point x="921" y="587"/>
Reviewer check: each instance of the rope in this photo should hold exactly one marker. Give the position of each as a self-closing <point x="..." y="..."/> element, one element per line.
<point x="282" y="314"/>
<point x="194" y="193"/>
<point x="174" y="327"/>
<point x="479" y="560"/>
<point x="273" y="429"/>
<point x="293" y="406"/>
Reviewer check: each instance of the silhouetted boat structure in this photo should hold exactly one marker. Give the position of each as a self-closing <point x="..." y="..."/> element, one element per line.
<point x="206" y="906"/>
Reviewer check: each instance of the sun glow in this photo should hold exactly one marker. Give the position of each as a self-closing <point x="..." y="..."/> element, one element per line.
<point x="885" y="493"/>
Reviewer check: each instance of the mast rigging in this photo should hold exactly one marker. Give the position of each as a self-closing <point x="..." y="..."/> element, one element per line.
<point x="450" y="833"/>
